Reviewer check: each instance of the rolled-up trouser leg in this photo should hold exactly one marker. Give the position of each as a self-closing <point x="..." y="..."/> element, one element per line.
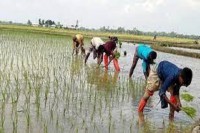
<point x="141" y="105"/>
<point x="105" y="59"/>
<point x="116" y="65"/>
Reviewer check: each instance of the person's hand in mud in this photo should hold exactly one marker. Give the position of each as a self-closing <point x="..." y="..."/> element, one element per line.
<point x="179" y="104"/>
<point x="176" y="107"/>
<point x="112" y="56"/>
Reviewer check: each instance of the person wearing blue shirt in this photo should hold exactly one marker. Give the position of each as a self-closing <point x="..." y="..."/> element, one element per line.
<point x="146" y="54"/>
<point x="164" y="77"/>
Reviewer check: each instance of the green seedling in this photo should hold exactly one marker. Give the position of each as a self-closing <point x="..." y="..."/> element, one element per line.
<point x="187" y="97"/>
<point x="117" y="55"/>
<point x="190" y="111"/>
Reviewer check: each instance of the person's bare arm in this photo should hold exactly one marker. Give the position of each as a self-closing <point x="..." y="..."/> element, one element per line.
<point x="110" y="59"/>
<point x="178" y="101"/>
<point x="100" y="59"/>
<point x="173" y="105"/>
<point x="115" y="50"/>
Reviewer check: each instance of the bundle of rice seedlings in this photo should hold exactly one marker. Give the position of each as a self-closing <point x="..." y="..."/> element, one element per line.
<point x="190" y="111"/>
<point x="187" y="97"/>
<point x="117" y="55"/>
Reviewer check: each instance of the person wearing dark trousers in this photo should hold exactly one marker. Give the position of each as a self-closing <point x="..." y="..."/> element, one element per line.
<point x="165" y="77"/>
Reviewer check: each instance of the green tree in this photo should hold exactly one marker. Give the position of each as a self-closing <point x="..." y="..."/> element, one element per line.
<point x="76" y="26"/>
<point x="40" y="23"/>
<point x="43" y="22"/>
<point x="49" y="23"/>
<point x="29" y="23"/>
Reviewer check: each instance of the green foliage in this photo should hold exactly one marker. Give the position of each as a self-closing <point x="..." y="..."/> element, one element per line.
<point x="196" y="42"/>
<point x="165" y="45"/>
<point x="29" y="23"/>
<point x="101" y="33"/>
<point x="190" y="111"/>
<point x="117" y="55"/>
<point x="187" y="97"/>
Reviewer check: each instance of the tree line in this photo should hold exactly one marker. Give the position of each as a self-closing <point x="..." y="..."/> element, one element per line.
<point x="135" y="31"/>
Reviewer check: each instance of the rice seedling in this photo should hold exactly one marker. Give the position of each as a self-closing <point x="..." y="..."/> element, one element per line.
<point x="187" y="97"/>
<point x="190" y="111"/>
<point x="45" y="128"/>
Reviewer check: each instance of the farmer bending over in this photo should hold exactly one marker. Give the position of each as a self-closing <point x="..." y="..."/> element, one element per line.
<point x="110" y="49"/>
<point x="165" y="77"/>
<point x="95" y="43"/>
<point x="146" y="54"/>
<point x="78" y="44"/>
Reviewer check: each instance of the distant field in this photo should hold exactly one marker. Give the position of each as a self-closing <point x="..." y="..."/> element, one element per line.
<point x="161" y="44"/>
<point x="123" y="37"/>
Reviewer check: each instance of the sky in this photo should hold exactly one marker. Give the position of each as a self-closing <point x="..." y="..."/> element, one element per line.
<point x="181" y="16"/>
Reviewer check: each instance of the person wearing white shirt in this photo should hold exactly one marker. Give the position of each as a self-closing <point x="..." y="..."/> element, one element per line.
<point x="95" y="43"/>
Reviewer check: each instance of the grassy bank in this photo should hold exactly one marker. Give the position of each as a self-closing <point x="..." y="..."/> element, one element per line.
<point x="177" y="52"/>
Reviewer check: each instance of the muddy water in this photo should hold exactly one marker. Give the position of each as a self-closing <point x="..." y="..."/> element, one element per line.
<point x="181" y="61"/>
<point x="57" y="92"/>
<point x="156" y="114"/>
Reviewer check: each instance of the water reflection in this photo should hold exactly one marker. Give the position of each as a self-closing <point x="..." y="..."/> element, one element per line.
<point x="101" y="79"/>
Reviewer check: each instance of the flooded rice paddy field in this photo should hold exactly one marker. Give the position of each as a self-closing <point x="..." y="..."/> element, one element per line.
<point x="43" y="88"/>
